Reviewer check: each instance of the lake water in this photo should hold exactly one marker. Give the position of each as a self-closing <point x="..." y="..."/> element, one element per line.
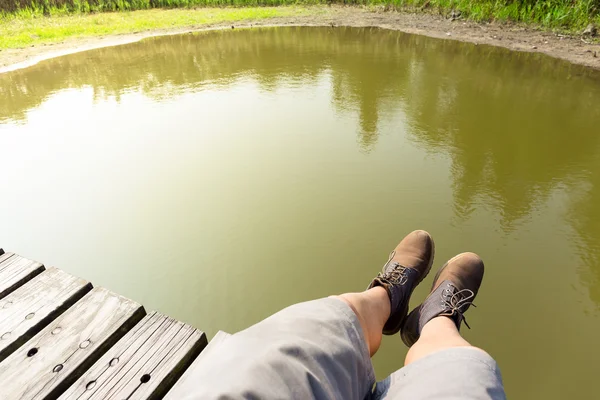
<point x="221" y="176"/>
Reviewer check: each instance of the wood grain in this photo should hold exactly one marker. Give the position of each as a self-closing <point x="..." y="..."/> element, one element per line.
<point x="45" y="366"/>
<point x="142" y="365"/>
<point x="28" y="309"/>
<point x="15" y="271"/>
<point x="186" y="384"/>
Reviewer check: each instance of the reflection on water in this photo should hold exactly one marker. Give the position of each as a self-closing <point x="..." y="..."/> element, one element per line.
<point x="216" y="177"/>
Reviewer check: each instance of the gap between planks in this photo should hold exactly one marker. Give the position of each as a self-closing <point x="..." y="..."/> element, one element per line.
<point x="16" y="271"/>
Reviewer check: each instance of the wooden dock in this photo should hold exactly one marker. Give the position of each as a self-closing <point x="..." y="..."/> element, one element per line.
<point x="62" y="338"/>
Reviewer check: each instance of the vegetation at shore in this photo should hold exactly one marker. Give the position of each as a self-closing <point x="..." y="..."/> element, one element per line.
<point x="30" y="22"/>
<point x="561" y="14"/>
<point x="19" y="32"/>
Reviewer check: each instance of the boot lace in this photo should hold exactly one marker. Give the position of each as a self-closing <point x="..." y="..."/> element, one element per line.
<point x="395" y="273"/>
<point x="456" y="301"/>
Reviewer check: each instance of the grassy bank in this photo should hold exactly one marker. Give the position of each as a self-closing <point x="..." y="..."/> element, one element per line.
<point x="33" y="22"/>
<point x="563" y="14"/>
<point x="18" y="32"/>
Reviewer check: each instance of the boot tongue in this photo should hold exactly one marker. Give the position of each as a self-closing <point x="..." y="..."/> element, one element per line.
<point x="453" y="302"/>
<point x="449" y="296"/>
<point x="403" y="287"/>
<point x="438" y="304"/>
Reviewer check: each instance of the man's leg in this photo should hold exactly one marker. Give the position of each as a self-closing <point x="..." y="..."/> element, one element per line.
<point x="438" y="334"/>
<point x="372" y="309"/>
<point x="440" y="364"/>
<point x="312" y="350"/>
<point x="319" y="349"/>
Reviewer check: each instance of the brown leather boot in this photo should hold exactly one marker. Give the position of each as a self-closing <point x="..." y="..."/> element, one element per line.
<point x="408" y="264"/>
<point x="454" y="289"/>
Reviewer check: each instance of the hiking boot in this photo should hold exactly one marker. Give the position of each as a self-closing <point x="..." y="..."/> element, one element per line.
<point x="454" y="289"/>
<point x="408" y="264"/>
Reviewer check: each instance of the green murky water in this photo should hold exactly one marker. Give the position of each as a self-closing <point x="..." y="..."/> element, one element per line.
<point x="219" y="177"/>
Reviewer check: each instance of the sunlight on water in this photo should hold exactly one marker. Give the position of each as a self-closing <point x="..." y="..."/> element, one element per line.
<point x="218" y="177"/>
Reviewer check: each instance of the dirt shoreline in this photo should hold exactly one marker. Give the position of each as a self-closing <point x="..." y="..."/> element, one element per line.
<point x="511" y="36"/>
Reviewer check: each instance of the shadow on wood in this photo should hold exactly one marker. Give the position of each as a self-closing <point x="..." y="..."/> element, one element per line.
<point x="15" y="271"/>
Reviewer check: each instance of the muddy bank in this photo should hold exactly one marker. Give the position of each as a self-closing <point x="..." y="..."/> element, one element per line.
<point x="514" y="37"/>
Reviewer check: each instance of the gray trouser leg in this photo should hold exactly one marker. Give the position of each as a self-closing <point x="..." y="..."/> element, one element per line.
<point x="459" y="373"/>
<point x="312" y="350"/>
<point x="316" y="350"/>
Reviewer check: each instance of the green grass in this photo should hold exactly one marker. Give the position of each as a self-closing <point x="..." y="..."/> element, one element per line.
<point x="566" y="14"/>
<point x="53" y="7"/>
<point x="569" y="15"/>
<point x="23" y="31"/>
<point x="33" y="22"/>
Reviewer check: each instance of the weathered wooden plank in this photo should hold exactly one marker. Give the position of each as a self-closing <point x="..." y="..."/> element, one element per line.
<point x="45" y="366"/>
<point x="142" y="365"/>
<point x="28" y="309"/>
<point x="15" y="271"/>
<point x="186" y="384"/>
